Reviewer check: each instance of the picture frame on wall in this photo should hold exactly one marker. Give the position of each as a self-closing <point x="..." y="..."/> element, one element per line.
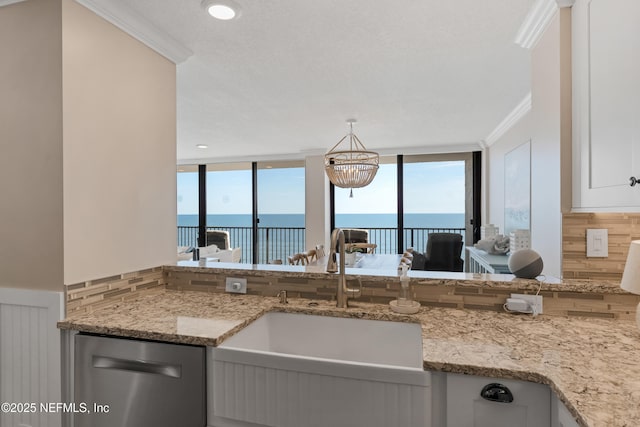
<point x="517" y="189"/>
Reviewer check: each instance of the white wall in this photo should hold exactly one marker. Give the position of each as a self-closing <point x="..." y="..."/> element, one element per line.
<point x="548" y="126"/>
<point x="119" y="150"/>
<point x="87" y="134"/>
<point x="31" y="145"/>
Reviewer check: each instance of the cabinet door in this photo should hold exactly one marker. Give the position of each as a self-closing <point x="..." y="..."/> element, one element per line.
<point x="615" y="90"/>
<point x="606" y="57"/>
<point x="531" y="405"/>
<point x="565" y="419"/>
<point x="561" y="417"/>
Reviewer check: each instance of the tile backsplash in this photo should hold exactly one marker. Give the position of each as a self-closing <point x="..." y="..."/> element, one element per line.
<point x="570" y="298"/>
<point x="592" y="299"/>
<point x="95" y="294"/>
<point x="622" y="229"/>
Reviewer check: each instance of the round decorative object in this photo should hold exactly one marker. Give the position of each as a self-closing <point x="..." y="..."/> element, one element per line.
<point x="525" y="263"/>
<point x="409" y="307"/>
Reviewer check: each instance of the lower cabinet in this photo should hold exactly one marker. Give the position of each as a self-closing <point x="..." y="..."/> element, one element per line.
<point x="113" y="371"/>
<point x="239" y="396"/>
<point x="561" y="416"/>
<point x="494" y="402"/>
<point x="264" y="390"/>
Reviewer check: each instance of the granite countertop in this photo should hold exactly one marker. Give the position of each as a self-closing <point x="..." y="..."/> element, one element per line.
<point x="592" y="364"/>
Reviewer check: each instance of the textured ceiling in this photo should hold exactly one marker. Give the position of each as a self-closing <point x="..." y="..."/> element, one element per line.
<point x="281" y="81"/>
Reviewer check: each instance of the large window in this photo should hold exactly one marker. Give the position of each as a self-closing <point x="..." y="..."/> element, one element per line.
<point x="434" y="194"/>
<point x="281" y="206"/>
<point x="276" y="202"/>
<point x="434" y="197"/>
<point x="261" y="205"/>
<point x="373" y="207"/>
<point x="229" y="204"/>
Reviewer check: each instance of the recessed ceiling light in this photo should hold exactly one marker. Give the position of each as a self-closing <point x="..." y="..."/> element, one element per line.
<point x="222" y="9"/>
<point x="202" y="146"/>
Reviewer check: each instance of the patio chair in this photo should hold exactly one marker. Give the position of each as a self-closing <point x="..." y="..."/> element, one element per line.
<point x="355" y="235"/>
<point x="443" y="252"/>
<point x="220" y="238"/>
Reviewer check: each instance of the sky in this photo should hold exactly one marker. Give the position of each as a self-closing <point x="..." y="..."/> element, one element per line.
<point x="431" y="187"/>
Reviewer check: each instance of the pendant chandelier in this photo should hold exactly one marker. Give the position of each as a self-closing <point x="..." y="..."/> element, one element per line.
<point x="353" y="166"/>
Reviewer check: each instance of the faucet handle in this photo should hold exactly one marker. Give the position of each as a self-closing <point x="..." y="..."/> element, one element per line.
<point x="355" y="292"/>
<point x="332" y="263"/>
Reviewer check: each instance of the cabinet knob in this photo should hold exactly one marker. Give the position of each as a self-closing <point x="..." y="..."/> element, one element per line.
<point x="496" y="392"/>
<point x="633" y="181"/>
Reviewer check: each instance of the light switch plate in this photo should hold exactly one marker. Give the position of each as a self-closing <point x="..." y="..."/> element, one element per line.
<point x="236" y="285"/>
<point x="597" y="242"/>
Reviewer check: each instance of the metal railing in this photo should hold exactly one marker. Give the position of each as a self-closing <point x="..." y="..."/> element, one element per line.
<point x="273" y="242"/>
<point x="281" y="242"/>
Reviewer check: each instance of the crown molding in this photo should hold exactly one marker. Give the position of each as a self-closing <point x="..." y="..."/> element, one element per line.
<point x="138" y="27"/>
<point x="537" y="21"/>
<point x="510" y="121"/>
<point x="8" y="2"/>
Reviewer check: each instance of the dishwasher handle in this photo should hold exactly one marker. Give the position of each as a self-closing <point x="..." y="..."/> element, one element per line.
<point x="143" y="366"/>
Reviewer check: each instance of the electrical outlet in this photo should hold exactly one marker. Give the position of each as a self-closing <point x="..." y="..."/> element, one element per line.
<point x="236" y="285"/>
<point x="535" y="302"/>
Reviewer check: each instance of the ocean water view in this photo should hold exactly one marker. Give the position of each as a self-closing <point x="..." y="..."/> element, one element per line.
<point x="424" y="220"/>
<point x="281" y="235"/>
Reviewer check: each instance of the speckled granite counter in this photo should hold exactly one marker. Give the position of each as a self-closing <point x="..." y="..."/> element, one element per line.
<point x="592" y="364"/>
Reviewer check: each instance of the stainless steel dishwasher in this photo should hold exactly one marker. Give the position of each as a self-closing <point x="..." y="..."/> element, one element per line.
<point x="131" y="383"/>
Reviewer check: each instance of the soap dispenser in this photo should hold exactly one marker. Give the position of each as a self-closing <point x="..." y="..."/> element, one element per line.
<point x="404" y="303"/>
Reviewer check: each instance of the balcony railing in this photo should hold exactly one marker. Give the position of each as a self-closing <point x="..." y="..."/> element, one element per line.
<point x="281" y="242"/>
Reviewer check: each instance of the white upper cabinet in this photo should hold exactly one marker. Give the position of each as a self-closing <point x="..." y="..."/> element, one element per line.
<point x="606" y="104"/>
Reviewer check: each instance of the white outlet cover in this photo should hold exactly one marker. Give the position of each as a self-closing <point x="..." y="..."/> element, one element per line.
<point x="597" y="242"/>
<point x="236" y="285"/>
<point x="534" y="300"/>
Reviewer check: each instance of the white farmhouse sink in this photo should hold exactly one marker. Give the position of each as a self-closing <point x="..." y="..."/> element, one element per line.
<point x="337" y="338"/>
<point x="299" y="370"/>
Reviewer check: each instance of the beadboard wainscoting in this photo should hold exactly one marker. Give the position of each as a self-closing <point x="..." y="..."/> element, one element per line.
<point x="30" y="355"/>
